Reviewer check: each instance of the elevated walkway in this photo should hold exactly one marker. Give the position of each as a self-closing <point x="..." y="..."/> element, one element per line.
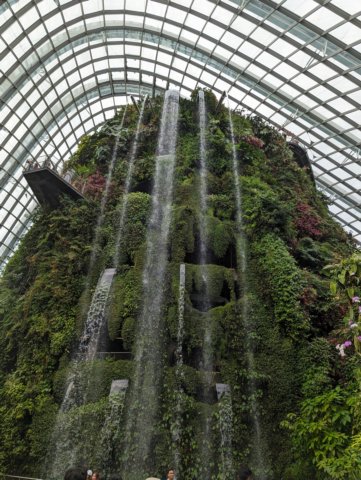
<point x="48" y="186"/>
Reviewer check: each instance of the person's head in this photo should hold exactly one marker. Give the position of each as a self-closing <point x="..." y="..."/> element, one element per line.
<point x="75" y="473"/>
<point x="170" y="474"/>
<point x="244" y="473"/>
<point x="96" y="475"/>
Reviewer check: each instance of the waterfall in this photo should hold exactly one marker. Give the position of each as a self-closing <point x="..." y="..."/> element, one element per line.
<point x="177" y="425"/>
<point x="203" y="178"/>
<point x="180" y="332"/>
<point x="100" y="220"/>
<point x="63" y="445"/>
<point x="225" y="420"/>
<point x="90" y="337"/>
<point x="123" y="210"/>
<point x="88" y="343"/>
<point x="144" y="391"/>
<point x="207" y="348"/>
<point x="258" y="450"/>
<point x="207" y="355"/>
<point x="109" y="437"/>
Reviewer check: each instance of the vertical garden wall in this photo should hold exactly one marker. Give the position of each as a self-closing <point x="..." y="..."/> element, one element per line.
<point x="293" y="410"/>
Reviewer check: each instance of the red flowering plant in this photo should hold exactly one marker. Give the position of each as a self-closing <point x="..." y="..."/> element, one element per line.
<point x="346" y="283"/>
<point x="307" y="221"/>
<point x="95" y="184"/>
<point x="252" y="140"/>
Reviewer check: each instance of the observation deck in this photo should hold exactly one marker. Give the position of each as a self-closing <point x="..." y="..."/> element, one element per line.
<point x="48" y="186"/>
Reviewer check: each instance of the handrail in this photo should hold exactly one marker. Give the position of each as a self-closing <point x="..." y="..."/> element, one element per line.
<point x="5" y="475"/>
<point x="69" y="176"/>
<point x="32" y="164"/>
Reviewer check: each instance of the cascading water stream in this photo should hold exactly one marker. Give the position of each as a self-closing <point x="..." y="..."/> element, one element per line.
<point x="207" y="351"/>
<point x="144" y="392"/>
<point x="248" y="327"/>
<point x="177" y="426"/>
<point x="100" y="219"/>
<point x="203" y="177"/>
<point x="88" y="343"/>
<point x="207" y="355"/>
<point x="123" y="210"/>
<point x="109" y="436"/>
<point x="225" y="419"/>
<point x="63" y="449"/>
<point x="90" y="338"/>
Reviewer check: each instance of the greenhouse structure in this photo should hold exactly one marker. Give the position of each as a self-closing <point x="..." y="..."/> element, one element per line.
<point x="180" y="229"/>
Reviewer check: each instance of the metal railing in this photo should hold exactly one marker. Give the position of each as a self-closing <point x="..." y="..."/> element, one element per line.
<point x="4" y="476"/>
<point x="69" y="176"/>
<point x="32" y="164"/>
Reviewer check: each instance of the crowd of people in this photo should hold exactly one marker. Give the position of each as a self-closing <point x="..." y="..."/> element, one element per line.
<point x="32" y="164"/>
<point x="78" y="473"/>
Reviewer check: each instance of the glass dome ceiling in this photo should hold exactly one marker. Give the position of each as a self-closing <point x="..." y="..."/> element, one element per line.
<point x="66" y="66"/>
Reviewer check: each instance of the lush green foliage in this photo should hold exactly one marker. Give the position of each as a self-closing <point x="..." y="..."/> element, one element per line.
<point x="326" y="430"/>
<point x="322" y="433"/>
<point x="282" y="282"/>
<point x="47" y="271"/>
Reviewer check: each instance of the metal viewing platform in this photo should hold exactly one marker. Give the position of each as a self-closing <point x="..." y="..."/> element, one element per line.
<point x="48" y="186"/>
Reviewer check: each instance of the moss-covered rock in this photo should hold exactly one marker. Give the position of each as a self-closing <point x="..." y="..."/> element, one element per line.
<point x="125" y="301"/>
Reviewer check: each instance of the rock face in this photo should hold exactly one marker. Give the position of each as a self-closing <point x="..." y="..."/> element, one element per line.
<point x="244" y="331"/>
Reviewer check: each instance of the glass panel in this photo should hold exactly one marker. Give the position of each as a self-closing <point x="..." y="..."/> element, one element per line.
<point x="324" y="19"/>
<point x="243" y="26"/>
<point x="213" y="31"/>
<point x="139" y="5"/>
<point x="348" y="33"/>
<point x="175" y="14"/>
<point x="340" y="105"/>
<point x="300" y="8"/>
<point x="268" y="60"/>
<point x="263" y="36"/>
<point x="202" y="6"/>
<point x="349" y="6"/>
<point x="194" y="71"/>
<point x="195" y="22"/>
<point x="205" y="44"/>
<point x="223" y="15"/>
<point x="322" y="72"/>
